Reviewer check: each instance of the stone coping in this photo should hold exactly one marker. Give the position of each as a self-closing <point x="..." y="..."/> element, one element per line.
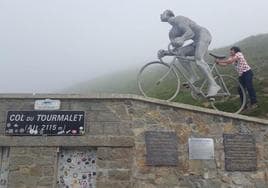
<point x="52" y="141"/>
<point x="108" y="96"/>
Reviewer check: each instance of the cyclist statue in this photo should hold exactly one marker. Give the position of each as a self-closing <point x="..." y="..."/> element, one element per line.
<point x="183" y="29"/>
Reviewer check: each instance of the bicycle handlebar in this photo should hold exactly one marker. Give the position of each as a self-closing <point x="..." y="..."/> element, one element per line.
<point x="217" y="56"/>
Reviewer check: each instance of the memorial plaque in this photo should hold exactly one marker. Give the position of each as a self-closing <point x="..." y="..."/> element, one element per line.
<point x="47" y="104"/>
<point x="240" y="152"/>
<point x="201" y="148"/>
<point x="45" y="123"/>
<point x="161" y="148"/>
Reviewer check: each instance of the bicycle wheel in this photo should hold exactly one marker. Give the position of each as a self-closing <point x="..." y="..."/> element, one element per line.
<point x="158" y="80"/>
<point x="228" y="98"/>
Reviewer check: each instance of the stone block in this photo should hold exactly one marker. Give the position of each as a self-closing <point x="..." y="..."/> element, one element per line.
<point x="79" y="106"/>
<point x="98" y="106"/>
<point x="21" y="160"/>
<point x="19" y="150"/>
<point x="48" y="170"/>
<point x="137" y="123"/>
<point x="109" y="184"/>
<point x="265" y="151"/>
<point x="46" y="160"/>
<point x="35" y="171"/>
<point x="124" y="129"/>
<point x="168" y="180"/>
<point x="258" y="176"/>
<point x="121" y="110"/>
<point x="121" y="153"/>
<point x="226" y="179"/>
<point x="229" y="128"/>
<point x="24" y="170"/>
<point x="143" y="185"/>
<point x="121" y="175"/>
<point x="96" y="128"/>
<point x="121" y="141"/>
<point x="91" y="116"/>
<point x="101" y="164"/>
<point x="48" y="151"/>
<point x="122" y="163"/>
<point x="221" y="119"/>
<point x="65" y="104"/>
<point x="261" y="184"/>
<point x="107" y="116"/>
<point x="239" y="179"/>
<point x="102" y="175"/>
<point x="17" y="185"/>
<point x="178" y="116"/>
<point x="196" y="167"/>
<point x="18" y="180"/>
<point x="45" y="181"/>
<point x="110" y="128"/>
<point x="103" y="153"/>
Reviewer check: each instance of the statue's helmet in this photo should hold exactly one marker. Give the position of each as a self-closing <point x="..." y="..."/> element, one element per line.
<point x="166" y="15"/>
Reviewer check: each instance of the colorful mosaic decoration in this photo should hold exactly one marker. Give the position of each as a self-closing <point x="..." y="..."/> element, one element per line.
<point x="77" y="168"/>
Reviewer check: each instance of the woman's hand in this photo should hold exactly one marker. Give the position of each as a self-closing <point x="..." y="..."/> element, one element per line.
<point x="219" y="62"/>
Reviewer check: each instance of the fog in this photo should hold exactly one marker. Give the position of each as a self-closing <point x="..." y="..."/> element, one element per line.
<point x="47" y="45"/>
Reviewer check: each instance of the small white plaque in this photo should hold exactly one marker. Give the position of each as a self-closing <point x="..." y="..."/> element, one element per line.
<point x="201" y="148"/>
<point x="47" y="104"/>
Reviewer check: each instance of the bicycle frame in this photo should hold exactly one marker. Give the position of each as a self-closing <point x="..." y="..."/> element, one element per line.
<point x="196" y="90"/>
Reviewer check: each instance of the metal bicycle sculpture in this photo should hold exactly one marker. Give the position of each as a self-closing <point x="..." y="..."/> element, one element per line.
<point x="161" y="80"/>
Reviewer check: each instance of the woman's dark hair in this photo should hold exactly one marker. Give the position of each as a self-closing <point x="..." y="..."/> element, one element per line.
<point x="235" y="49"/>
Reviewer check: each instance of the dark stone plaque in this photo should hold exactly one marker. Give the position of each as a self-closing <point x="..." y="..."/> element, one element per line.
<point x="240" y="152"/>
<point x="161" y="148"/>
<point x="45" y="123"/>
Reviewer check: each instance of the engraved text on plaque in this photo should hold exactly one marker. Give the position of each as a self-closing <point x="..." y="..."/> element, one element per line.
<point x="240" y="152"/>
<point x="161" y="148"/>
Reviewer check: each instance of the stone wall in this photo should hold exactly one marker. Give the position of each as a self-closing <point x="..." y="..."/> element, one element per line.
<point x="32" y="167"/>
<point x="115" y="126"/>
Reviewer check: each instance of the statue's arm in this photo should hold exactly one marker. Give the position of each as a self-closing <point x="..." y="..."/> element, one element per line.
<point x="187" y="32"/>
<point x="180" y="34"/>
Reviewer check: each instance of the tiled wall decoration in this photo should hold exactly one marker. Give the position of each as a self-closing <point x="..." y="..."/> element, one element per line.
<point x="77" y="168"/>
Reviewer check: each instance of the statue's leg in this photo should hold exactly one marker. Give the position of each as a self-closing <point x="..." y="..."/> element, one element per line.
<point x="201" y="49"/>
<point x="188" y="65"/>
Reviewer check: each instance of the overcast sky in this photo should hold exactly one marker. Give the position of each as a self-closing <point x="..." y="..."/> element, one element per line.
<point x="47" y="45"/>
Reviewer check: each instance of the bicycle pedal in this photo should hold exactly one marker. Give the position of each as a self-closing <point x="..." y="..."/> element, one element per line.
<point x="186" y="85"/>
